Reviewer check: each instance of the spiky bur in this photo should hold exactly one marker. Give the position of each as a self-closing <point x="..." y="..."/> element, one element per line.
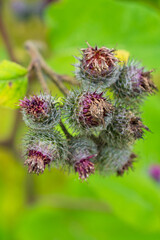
<point x="154" y="172"/>
<point x="42" y="149"/>
<point x="124" y="129"/>
<point x="104" y="133"/>
<point x="87" y="111"/>
<point x="40" y="112"/>
<point x="98" y="67"/>
<point x="133" y="85"/>
<point x="111" y="159"/>
<point x="128" y="165"/>
<point x="82" y="155"/>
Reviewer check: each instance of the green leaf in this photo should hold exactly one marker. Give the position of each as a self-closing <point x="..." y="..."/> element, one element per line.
<point x="13" y="83"/>
<point x="10" y="70"/>
<point x="41" y="222"/>
<point x="124" y="25"/>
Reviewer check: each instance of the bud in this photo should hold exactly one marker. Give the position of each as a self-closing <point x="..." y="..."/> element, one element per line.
<point x="81" y="151"/>
<point x="133" y="83"/>
<point x="42" y="150"/>
<point x="124" y="129"/>
<point x="154" y="172"/>
<point x="40" y="112"/>
<point x="87" y="111"/>
<point x="98" y="67"/>
<point x="111" y="159"/>
<point x="127" y="165"/>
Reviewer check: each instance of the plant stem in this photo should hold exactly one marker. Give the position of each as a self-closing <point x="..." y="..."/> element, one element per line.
<point x="68" y="79"/>
<point x="55" y="78"/>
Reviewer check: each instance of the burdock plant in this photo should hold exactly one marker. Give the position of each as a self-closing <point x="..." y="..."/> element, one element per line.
<point x="100" y="118"/>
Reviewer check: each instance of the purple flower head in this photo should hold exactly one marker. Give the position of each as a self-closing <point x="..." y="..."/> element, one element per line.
<point x="39" y="154"/>
<point x="154" y="172"/>
<point x="35" y="106"/>
<point x="84" y="167"/>
<point x="82" y="149"/>
<point x="141" y="80"/>
<point x="98" y="61"/>
<point x="93" y="109"/>
<point x="127" y="165"/>
<point x="40" y="112"/>
<point x="44" y="148"/>
<point x="37" y="161"/>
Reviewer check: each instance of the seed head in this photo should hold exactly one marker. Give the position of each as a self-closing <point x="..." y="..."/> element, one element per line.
<point x="93" y="109"/>
<point x="97" y="67"/>
<point x="98" y="62"/>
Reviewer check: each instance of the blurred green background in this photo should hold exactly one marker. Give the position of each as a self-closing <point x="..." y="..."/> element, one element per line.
<point x="55" y="205"/>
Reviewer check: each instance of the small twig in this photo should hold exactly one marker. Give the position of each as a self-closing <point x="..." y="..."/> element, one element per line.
<point x="41" y="78"/>
<point x="37" y="67"/>
<point x="68" y="135"/>
<point x="55" y="78"/>
<point x="68" y="79"/>
<point x="5" y="36"/>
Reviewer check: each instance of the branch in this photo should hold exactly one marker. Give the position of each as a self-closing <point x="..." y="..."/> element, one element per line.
<point x="36" y="65"/>
<point x="55" y="78"/>
<point x="67" y="79"/>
